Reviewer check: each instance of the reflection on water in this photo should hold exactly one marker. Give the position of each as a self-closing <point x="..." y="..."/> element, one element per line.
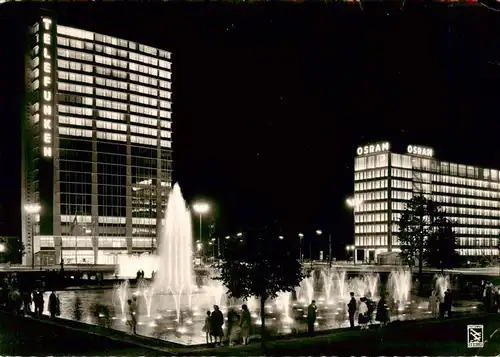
<point x="99" y="307"/>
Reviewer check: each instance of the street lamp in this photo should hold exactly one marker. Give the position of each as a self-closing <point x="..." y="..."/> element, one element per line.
<point x="280" y="237"/>
<point x="349" y="249"/>
<point x="354" y="203"/>
<point x="201" y="208"/>
<point x="32" y="209"/>
<point x="300" y="246"/>
<point x="3" y="249"/>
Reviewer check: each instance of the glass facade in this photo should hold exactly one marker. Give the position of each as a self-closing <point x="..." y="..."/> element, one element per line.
<point x="111" y="156"/>
<point x="384" y="182"/>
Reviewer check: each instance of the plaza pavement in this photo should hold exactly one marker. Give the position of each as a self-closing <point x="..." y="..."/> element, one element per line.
<point x="27" y="336"/>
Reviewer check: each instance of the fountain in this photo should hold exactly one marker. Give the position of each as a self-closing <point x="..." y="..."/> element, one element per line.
<point x="400" y="285"/>
<point x="147" y="292"/>
<point x="305" y="291"/>
<point x="283" y="304"/>
<point x="442" y="284"/>
<point x="328" y="276"/>
<point x="340" y="278"/>
<point x="121" y="293"/>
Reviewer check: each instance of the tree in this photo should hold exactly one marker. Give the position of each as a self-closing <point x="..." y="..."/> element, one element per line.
<point x="259" y="264"/>
<point x="441" y="246"/>
<point x="13" y="250"/>
<point x="416" y="224"/>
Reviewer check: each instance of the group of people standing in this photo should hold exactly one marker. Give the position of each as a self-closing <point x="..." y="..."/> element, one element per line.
<point x="490" y="297"/>
<point x="365" y="309"/>
<point x="440" y="305"/>
<point x="237" y="324"/>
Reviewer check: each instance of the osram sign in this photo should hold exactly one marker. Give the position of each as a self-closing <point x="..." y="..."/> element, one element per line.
<point x="373" y="149"/>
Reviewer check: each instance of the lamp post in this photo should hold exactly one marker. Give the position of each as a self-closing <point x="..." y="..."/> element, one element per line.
<point x="201" y="208"/>
<point x="319" y="232"/>
<point x="349" y="249"/>
<point x="32" y="209"/>
<point x="300" y="246"/>
<point x="354" y="203"/>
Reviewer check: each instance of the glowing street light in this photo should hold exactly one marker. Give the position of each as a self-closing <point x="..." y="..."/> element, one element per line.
<point x="3" y="248"/>
<point x="198" y="246"/>
<point x="300" y="246"/>
<point x="239" y="234"/>
<point x="319" y="232"/>
<point x="32" y="209"/>
<point x="281" y="237"/>
<point x="201" y="208"/>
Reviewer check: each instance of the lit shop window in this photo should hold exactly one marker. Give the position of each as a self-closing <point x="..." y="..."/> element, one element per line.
<point x="111" y="115"/>
<point x="143" y="141"/>
<point x="75" y="132"/>
<point x="143" y="110"/>
<point x="77" y="44"/>
<point x="108" y="93"/>
<point x="75" y="110"/>
<point x="143" y="79"/>
<point x="123" y="53"/>
<point x="143" y="130"/>
<point x="165" y="134"/>
<point x="111" y="72"/>
<point x="72" y="32"/>
<point x="111" y="136"/>
<point x="35" y="62"/>
<point x="143" y="120"/>
<point x="166" y="143"/>
<point x="165" y="64"/>
<point x="164" y="54"/>
<point x="165" y="114"/>
<point x="111" y="62"/>
<point x="111" y="104"/>
<point x="132" y="45"/>
<point x="164" y="74"/>
<point x="81" y="56"/>
<point x="143" y="89"/>
<point x="166" y="124"/>
<point x="74" y="121"/>
<point x="74" y="99"/>
<point x="165" y="105"/>
<point x="110" y="51"/>
<point x="143" y="69"/>
<point x="62" y="86"/>
<point x="143" y="59"/>
<point x="111" y="83"/>
<point x="111" y="126"/>
<point x="148" y="50"/>
<point x="75" y="77"/>
<point x="143" y="100"/>
<point x="165" y="84"/>
<point x="76" y="66"/>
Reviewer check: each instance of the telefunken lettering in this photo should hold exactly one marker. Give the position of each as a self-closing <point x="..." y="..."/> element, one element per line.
<point x="47" y="90"/>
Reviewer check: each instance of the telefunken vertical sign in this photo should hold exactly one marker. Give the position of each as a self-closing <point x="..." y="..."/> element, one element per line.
<point x="46" y="131"/>
<point x="373" y="149"/>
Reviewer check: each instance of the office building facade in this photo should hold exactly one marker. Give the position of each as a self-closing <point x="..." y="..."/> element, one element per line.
<point x="97" y="147"/>
<point x="386" y="180"/>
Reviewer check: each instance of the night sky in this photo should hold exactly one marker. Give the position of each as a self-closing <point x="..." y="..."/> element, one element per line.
<point x="270" y="102"/>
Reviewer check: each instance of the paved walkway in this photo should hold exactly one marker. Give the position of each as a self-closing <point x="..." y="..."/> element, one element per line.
<point x="345" y="339"/>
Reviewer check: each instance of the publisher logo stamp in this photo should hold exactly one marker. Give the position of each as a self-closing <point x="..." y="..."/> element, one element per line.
<point x="475" y="336"/>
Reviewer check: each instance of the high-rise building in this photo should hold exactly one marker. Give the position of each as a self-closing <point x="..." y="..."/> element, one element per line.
<point x="97" y="147"/>
<point x="385" y="181"/>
